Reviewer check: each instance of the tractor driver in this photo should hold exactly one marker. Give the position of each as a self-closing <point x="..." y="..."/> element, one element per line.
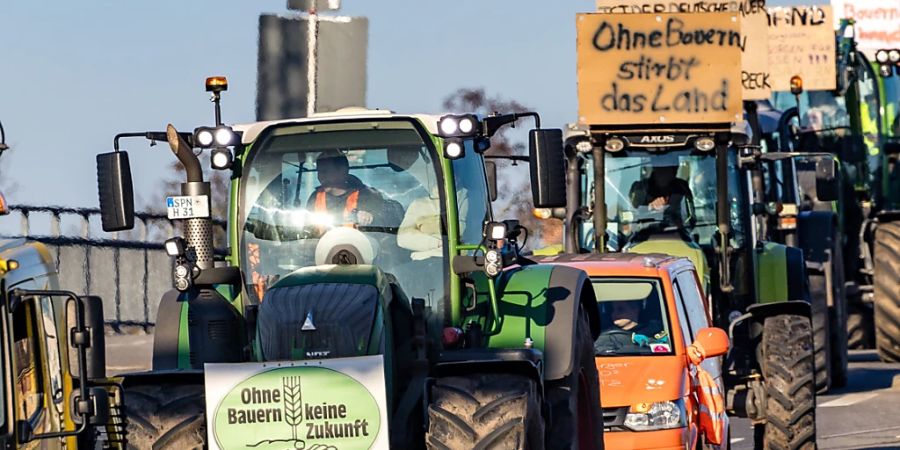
<point x="341" y="195"/>
<point x="664" y="191"/>
<point x="626" y="333"/>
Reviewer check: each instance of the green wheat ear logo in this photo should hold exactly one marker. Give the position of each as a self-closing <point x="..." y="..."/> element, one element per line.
<point x="293" y="403"/>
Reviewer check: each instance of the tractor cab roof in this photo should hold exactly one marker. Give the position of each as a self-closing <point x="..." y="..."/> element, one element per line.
<point x="619" y="264"/>
<point x="251" y="131"/>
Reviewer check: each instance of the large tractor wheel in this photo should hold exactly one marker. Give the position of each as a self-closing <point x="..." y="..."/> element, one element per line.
<point x="575" y="412"/>
<point x="485" y="411"/>
<point x="838" y="316"/>
<point x="790" y="389"/>
<point x="821" y="329"/>
<point x="165" y="417"/>
<point x="887" y="291"/>
<point x="859" y="327"/>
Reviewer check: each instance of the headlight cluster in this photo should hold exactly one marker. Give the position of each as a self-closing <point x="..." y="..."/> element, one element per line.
<point x="219" y="139"/>
<point x="656" y="416"/>
<point x="888" y="61"/>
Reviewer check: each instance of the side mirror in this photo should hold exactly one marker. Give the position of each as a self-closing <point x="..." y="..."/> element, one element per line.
<point x="827" y="187"/>
<point x="115" y="191"/>
<point x="490" y="168"/>
<point x="711" y="342"/>
<point x="95" y="367"/>
<point x="548" y="168"/>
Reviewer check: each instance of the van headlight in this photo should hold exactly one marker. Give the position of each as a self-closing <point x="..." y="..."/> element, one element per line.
<point x="656" y="416"/>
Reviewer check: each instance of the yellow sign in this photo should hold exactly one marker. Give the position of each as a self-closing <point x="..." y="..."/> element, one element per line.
<point x="801" y="42"/>
<point x="659" y="68"/>
<point x="754" y="60"/>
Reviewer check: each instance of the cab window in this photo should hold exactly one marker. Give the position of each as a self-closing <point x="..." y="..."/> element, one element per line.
<point x="472" y="201"/>
<point x="634" y="319"/>
<point x="27" y="378"/>
<point x="682" y="315"/>
<point x="48" y="319"/>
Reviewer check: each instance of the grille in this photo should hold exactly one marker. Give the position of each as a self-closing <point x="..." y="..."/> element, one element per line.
<point x="614" y="418"/>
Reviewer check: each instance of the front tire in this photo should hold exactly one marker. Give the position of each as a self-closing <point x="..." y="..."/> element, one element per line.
<point x="485" y="411"/>
<point x="887" y="291"/>
<point x="790" y="388"/>
<point x="575" y="412"/>
<point x="165" y="417"/>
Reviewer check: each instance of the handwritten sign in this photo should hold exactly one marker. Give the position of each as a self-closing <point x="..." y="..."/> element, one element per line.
<point x="877" y="23"/>
<point x="801" y="42"/>
<point x="754" y="62"/>
<point x="658" y="68"/>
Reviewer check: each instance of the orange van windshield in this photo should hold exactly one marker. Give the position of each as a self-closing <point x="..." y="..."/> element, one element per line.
<point x="634" y="319"/>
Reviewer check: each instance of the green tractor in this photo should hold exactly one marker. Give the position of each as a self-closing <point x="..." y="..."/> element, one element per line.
<point x="54" y="371"/>
<point x="757" y="289"/>
<point x="857" y="124"/>
<point x="368" y="296"/>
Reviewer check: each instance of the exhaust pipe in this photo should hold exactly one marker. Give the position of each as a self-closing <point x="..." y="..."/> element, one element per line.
<point x="197" y="231"/>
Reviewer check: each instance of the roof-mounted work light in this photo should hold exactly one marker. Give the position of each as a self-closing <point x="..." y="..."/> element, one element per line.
<point x="464" y="125"/>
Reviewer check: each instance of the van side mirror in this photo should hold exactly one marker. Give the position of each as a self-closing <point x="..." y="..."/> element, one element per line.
<point x="827" y="185"/>
<point x="115" y="191"/>
<point x="548" y="168"/>
<point x="490" y="169"/>
<point x="710" y="342"/>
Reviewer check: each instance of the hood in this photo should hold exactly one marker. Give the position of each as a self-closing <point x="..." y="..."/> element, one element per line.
<point x="627" y="380"/>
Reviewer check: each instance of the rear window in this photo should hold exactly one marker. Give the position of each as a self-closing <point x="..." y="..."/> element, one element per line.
<point x="634" y="319"/>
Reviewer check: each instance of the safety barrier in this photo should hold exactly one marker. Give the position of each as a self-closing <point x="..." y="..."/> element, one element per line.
<point x="129" y="270"/>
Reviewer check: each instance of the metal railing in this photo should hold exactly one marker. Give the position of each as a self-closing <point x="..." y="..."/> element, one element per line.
<point x="130" y="270"/>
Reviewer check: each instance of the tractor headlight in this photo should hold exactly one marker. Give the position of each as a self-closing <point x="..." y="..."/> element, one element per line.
<point x="881" y="56"/>
<point x="584" y="146"/>
<point x="614" y="144"/>
<point x="656" y="416"/>
<point x="175" y="246"/>
<point x="221" y="158"/>
<point x="204" y="137"/>
<point x="493" y="263"/>
<point x="705" y="144"/>
<point x="454" y="149"/>
<point x="224" y="136"/>
<point x="451" y="125"/>
<point x="894" y="56"/>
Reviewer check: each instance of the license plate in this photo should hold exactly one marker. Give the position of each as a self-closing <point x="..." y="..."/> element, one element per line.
<point x="187" y="206"/>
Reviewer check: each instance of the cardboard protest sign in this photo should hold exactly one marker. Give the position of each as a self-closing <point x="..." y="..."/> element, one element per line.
<point x="659" y="69"/>
<point x="877" y="23"/>
<point x="801" y="42"/>
<point x="754" y="62"/>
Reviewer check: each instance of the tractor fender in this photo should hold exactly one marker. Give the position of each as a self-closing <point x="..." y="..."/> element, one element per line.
<point x="781" y="274"/>
<point x="542" y="302"/>
<point x="173" y="376"/>
<point x="167" y="338"/>
<point x="817" y="234"/>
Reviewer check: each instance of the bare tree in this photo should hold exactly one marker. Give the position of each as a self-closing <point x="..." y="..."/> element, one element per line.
<point x="514" y="194"/>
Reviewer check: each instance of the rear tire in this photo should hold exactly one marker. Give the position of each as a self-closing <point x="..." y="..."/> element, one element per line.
<point x="887" y="291"/>
<point x="821" y="329"/>
<point x="838" y="316"/>
<point x="859" y="327"/>
<point x="165" y="417"/>
<point x="790" y="388"/>
<point x="485" y="411"/>
<point x="575" y="412"/>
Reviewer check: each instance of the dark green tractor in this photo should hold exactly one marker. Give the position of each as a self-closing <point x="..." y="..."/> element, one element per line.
<point x="857" y="124"/>
<point x="404" y="317"/>
<point x="757" y="289"/>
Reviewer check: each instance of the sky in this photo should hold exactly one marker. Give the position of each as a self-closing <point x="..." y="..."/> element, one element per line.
<point x="73" y="74"/>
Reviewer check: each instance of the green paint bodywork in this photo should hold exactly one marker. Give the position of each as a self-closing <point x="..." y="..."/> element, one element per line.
<point x="771" y="270"/>
<point x="677" y="247"/>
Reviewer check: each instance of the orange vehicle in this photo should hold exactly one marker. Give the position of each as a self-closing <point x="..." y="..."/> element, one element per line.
<point x="657" y="356"/>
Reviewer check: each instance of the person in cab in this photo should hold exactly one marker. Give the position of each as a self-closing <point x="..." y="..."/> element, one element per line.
<point x="343" y="196"/>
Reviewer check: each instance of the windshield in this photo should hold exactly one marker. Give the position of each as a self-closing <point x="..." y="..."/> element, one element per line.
<point x="651" y="193"/>
<point x="633" y="317"/>
<point x="891" y="104"/>
<point x="359" y="192"/>
<point x="821" y="112"/>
